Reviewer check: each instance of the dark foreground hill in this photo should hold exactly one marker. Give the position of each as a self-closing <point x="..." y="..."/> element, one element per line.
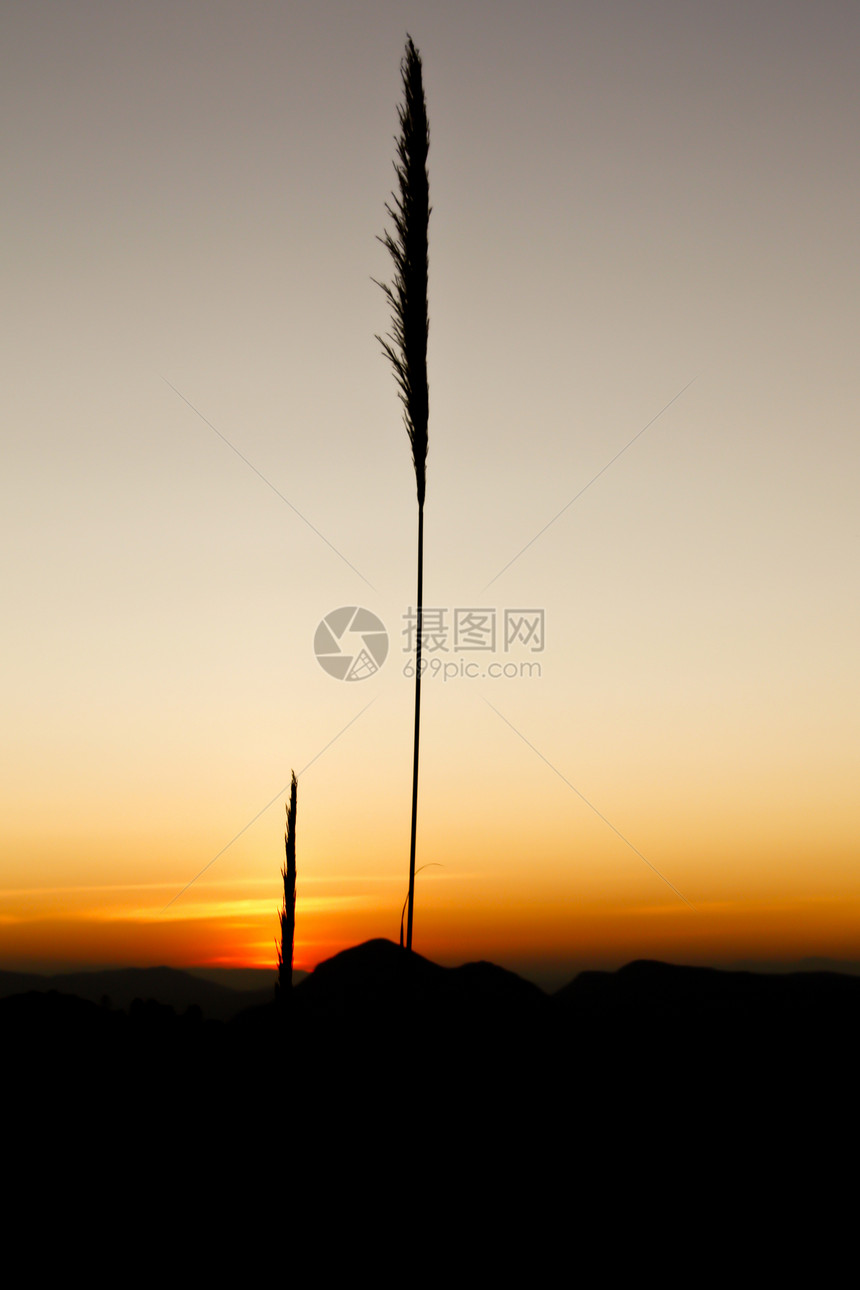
<point x="374" y="1005"/>
<point x="377" y="988"/>
<point x="387" y="1084"/>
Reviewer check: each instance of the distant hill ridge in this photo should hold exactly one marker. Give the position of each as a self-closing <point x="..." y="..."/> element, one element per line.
<point x="174" y="987"/>
<point x="379" y="976"/>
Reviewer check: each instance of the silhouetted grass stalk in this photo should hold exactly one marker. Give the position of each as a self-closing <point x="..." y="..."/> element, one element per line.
<point x="288" y="913"/>
<point x="406" y="347"/>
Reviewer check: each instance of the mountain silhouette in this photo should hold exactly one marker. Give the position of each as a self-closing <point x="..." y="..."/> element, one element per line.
<point x="120" y="986"/>
<point x="380" y="975"/>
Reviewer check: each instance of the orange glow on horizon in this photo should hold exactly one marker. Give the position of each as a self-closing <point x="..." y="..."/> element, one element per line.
<point x="544" y="933"/>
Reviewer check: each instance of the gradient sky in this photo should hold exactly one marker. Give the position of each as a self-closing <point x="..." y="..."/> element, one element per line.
<point x="627" y="197"/>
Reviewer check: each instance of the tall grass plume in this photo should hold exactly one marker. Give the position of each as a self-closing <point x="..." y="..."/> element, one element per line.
<point x="406" y="346"/>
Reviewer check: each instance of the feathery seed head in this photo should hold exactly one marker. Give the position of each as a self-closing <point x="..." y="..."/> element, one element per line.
<point x="406" y="346"/>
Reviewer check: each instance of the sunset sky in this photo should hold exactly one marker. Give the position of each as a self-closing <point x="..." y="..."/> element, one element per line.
<point x="644" y="218"/>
